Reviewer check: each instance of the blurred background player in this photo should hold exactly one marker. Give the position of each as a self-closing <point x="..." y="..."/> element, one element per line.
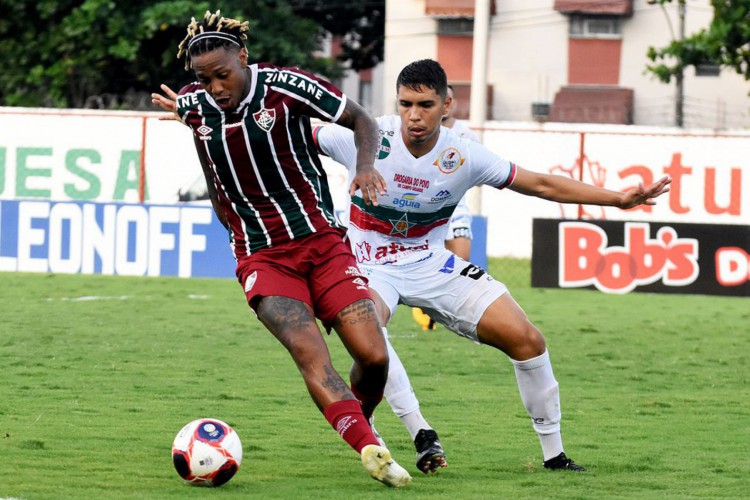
<point x="459" y="236"/>
<point x="251" y="126"/>
<point x="401" y="249"/>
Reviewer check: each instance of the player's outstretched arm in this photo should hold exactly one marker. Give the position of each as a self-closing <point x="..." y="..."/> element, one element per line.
<point x="366" y="138"/>
<point x="566" y="190"/>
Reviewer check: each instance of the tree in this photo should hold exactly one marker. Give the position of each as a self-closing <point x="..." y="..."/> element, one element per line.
<point x="726" y="42"/>
<point x="359" y="23"/>
<point x="64" y="53"/>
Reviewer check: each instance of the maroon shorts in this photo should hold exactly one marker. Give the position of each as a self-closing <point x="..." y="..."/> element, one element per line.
<point x="318" y="270"/>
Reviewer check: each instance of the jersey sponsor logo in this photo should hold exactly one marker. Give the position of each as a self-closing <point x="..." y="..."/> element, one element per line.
<point x="362" y="251"/>
<point x="406" y="200"/>
<point x="265" y="118"/>
<point x="585" y="259"/>
<point x="411" y="183"/>
<point x="384" y="149"/>
<point x="250" y="281"/>
<point x="187" y="100"/>
<point x="393" y="249"/>
<point x="449" y="160"/>
<point x="205" y="132"/>
<point x="462" y="232"/>
<point x="449" y="265"/>
<point x="307" y="86"/>
<point x="401" y="226"/>
<point x="353" y="271"/>
<point x="343" y="425"/>
<point x="361" y="284"/>
<point x="473" y="272"/>
<point x="442" y="195"/>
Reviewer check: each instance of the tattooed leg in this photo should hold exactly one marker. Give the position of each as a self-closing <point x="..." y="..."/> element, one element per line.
<point x="359" y="329"/>
<point x="292" y="322"/>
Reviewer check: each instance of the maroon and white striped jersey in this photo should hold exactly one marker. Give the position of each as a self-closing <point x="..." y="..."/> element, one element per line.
<point x="265" y="166"/>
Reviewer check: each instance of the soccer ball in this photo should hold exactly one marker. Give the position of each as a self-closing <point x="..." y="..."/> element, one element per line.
<point x="207" y="452"/>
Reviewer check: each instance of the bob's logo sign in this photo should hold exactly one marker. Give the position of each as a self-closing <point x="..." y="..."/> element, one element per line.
<point x="657" y="257"/>
<point x="587" y="259"/>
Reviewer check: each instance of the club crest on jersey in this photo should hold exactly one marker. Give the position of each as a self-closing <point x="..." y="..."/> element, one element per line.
<point x="205" y="132"/>
<point x="265" y="118"/>
<point x="449" y="161"/>
<point x="384" y="149"/>
<point x="401" y="226"/>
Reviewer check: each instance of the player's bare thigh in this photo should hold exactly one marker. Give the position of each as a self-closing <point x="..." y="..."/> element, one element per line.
<point x="384" y="314"/>
<point x="504" y="325"/>
<point x="358" y="328"/>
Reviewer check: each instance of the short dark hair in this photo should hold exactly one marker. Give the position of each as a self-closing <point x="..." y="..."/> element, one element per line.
<point x="213" y="32"/>
<point x="424" y="73"/>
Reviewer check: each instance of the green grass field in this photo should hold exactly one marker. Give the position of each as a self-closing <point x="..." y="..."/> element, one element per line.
<point x="99" y="374"/>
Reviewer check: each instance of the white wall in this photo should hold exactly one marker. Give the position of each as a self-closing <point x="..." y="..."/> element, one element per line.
<point x="528" y="56"/>
<point x="409" y="35"/>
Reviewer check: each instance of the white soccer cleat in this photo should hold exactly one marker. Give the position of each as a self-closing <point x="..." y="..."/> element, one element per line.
<point x="378" y="462"/>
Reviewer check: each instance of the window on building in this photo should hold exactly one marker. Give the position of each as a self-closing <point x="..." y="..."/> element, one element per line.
<point x="707" y="68"/>
<point x="583" y="26"/>
<point x="460" y="26"/>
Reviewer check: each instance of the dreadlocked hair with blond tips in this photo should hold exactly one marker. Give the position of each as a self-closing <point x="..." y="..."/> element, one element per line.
<point x="211" y="33"/>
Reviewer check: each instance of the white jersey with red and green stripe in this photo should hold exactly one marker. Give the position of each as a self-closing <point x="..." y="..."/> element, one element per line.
<point x="412" y="219"/>
<point x="266" y="169"/>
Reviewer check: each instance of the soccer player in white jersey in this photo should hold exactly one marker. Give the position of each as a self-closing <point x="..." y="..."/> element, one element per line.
<point x="459" y="235"/>
<point x="399" y="245"/>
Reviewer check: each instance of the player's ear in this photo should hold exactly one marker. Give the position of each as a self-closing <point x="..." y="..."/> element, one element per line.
<point x="447" y="103"/>
<point x="243" y="56"/>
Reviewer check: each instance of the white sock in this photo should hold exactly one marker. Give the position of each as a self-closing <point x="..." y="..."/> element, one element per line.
<point x="541" y="397"/>
<point x="400" y="395"/>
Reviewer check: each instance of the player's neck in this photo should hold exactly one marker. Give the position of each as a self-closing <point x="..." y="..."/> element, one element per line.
<point x="419" y="149"/>
<point x="449" y="122"/>
<point x="248" y="83"/>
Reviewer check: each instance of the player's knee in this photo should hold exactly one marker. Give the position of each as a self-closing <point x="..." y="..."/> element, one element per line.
<point x="526" y="342"/>
<point x="375" y="361"/>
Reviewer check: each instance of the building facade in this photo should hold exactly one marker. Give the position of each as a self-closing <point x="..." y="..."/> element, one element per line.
<point x="566" y="61"/>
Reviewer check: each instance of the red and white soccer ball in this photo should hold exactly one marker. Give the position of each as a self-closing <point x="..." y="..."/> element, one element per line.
<point x="207" y="452"/>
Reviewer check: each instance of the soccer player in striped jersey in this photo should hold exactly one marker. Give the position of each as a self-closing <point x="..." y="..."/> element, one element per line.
<point x="399" y="246"/>
<point x="251" y="126"/>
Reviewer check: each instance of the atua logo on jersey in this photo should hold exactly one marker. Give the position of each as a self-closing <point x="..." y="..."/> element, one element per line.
<point x="204" y="131"/>
<point x="385" y="148"/>
<point x="449" y="161"/>
<point x="265" y="118"/>
<point x="406" y="200"/>
<point x="443" y="194"/>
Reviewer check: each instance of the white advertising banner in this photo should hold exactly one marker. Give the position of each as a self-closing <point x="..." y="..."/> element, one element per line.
<point x="99" y="156"/>
<point x="708" y="173"/>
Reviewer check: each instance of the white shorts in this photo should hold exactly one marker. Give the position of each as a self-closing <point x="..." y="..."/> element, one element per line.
<point x="453" y="292"/>
<point x="460" y="224"/>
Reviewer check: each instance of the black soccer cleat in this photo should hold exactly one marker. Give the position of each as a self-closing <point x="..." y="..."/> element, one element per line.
<point x="430" y="453"/>
<point x="561" y="462"/>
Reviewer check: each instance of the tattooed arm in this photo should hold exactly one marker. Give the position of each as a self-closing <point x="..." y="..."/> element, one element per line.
<point x="366" y="138"/>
